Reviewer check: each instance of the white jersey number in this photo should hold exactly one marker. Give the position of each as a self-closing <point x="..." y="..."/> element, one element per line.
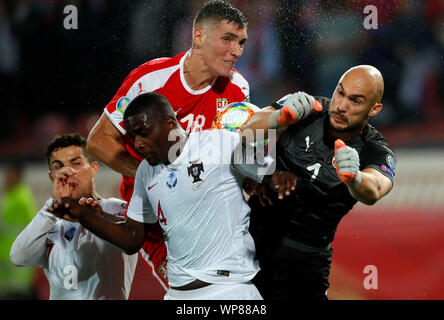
<point x="160" y="216"/>
<point x="315" y="168"/>
<point x="194" y="125"/>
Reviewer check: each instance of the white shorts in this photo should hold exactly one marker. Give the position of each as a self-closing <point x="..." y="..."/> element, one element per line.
<point x="237" y="291"/>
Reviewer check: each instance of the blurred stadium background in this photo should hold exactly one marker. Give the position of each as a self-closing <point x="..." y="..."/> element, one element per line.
<point x="54" y="80"/>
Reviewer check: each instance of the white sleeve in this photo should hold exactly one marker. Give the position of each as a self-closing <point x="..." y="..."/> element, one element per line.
<point x="114" y="206"/>
<point x="140" y="208"/>
<point x="247" y="161"/>
<point x="30" y="246"/>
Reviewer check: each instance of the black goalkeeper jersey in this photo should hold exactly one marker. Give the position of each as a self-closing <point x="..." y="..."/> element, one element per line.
<point x="313" y="211"/>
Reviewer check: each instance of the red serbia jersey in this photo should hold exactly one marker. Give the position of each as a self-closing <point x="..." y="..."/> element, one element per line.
<point x="195" y="110"/>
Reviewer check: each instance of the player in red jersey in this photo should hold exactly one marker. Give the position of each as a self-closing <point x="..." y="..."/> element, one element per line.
<point x="196" y="83"/>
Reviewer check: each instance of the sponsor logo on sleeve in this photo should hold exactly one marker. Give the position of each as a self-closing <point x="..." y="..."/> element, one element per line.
<point x="388" y="170"/>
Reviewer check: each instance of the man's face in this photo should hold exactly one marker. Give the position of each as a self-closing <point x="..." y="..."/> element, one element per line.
<point x="353" y="102"/>
<point x="73" y="157"/>
<point x="222" y="45"/>
<point x="150" y="137"/>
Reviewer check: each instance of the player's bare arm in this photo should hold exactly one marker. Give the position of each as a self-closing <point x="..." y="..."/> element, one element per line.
<point x="128" y="235"/>
<point x="366" y="186"/>
<point x="374" y="185"/>
<point x="104" y="143"/>
<point x="260" y="120"/>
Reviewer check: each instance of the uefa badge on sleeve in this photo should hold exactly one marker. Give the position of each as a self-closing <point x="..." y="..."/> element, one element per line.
<point x="390" y="161"/>
<point x="122" y="103"/>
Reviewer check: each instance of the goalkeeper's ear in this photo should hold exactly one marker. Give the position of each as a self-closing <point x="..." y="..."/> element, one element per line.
<point x="375" y="109"/>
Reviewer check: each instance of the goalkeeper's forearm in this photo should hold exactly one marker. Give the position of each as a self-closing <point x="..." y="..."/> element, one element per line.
<point x="372" y="187"/>
<point x="261" y="121"/>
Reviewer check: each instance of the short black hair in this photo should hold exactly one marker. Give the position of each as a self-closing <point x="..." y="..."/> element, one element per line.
<point x="153" y="104"/>
<point x="219" y="10"/>
<point x="67" y="140"/>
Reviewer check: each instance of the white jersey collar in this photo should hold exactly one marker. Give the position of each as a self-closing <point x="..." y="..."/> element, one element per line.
<point x="184" y="83"/>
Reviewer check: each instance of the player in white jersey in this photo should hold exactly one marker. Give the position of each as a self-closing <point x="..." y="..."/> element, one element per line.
<point x="197" y="83"/>
<point x="78" y="264"/>
<point x="187" y="184"/>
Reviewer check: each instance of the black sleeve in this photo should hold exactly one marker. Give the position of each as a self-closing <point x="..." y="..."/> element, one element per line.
<point x="378" y="156"/>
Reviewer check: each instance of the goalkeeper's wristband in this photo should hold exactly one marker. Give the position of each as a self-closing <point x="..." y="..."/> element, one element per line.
<point x="274" y="119"/>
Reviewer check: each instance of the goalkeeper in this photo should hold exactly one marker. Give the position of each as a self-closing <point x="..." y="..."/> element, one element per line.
<point x="328" y="158"/>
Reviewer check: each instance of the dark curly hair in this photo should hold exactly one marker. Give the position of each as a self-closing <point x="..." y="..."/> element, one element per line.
<point x="67" y="140"/>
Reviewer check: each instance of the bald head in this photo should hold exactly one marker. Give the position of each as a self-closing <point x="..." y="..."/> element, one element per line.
<point x="368" y="78"/>
<point x="357" y="97"/>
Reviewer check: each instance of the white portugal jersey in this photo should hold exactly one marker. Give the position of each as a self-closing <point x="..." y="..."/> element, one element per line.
<point x="78" y="264"/>
<point x="199" y="203"/>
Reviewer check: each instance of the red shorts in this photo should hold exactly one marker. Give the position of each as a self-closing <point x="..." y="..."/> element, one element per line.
<point x="153" y="251"/>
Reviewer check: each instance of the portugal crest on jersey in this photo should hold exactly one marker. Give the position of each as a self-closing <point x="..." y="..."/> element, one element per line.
<point x="194" y="170"/>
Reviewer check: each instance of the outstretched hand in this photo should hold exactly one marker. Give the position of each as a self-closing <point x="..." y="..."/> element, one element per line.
<point x="253" y="187"/>
<point x="284" y="183"/>
<point x="72" y="209"/>
<point x="298" y="106"/>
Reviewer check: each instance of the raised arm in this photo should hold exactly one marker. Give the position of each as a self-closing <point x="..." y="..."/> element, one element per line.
<point x="261" y="120"/>
<point x="104" y="143"/>
<point x="295" y="107"/>
<point x="366" y="186"/>
<point x="374" y="185"/>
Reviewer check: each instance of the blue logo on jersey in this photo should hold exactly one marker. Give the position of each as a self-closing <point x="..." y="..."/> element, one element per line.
<point x="391" y="161"/>
<point x="171" y="180"/>
<point x="70" y="233"/>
